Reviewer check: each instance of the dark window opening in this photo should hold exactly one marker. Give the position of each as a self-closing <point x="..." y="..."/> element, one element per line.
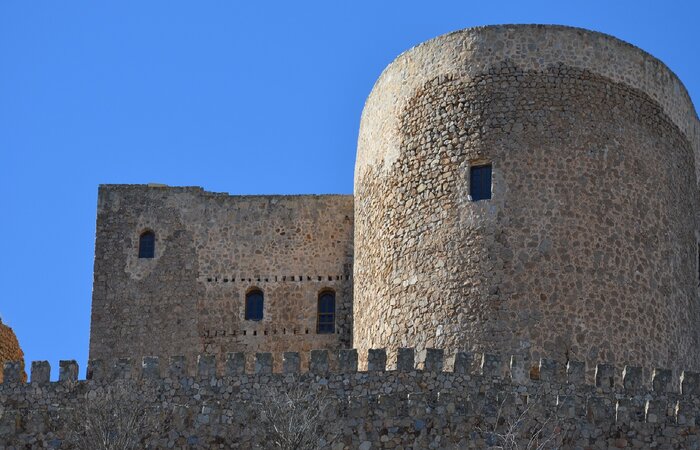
<point x="326" y="313"/>
<point x="254" y="305"/>
<point x="147" y="244"/>
<point x="480" y="182"/>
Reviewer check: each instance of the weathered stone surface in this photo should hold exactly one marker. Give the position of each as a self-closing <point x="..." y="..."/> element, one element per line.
<point x="587" y="248"/>
<point x="210" y="250"/>
<point x="374" y="409"/>
<point x="67" y="371"/>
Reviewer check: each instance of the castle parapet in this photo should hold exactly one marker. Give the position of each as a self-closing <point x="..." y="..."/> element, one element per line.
<point x="513" y="370"/>
<point x="449" y="389"/>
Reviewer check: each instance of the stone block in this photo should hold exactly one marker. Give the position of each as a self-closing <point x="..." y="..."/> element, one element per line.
<point x="406" y="359"/>
<point x="632" y="378"/>
<point x="549" y="370"/>
<point x="178" y="367"/>
<point x="347" y="360"/>
<point x="291" y="362"/>
<point x="576" y="373"/>
<point x="41" y="372"/>
<point x="434" y="359"/>
<point x="150" y="368"/>
<point x="12" y="372"/>
<point x="690" y="383"/>
<point x="263" y="363"/>
<point x="605" y="375"/>
<point x="206" y="367"/>
<point x="235" y="364"/>
<point x="67" y="371"/>
<point x="492" y="365"/>
<point x="464" y="362"/>
<point x="376" y="360"/>
<point x="319" y="361"/>
<point x="662" y="380"/>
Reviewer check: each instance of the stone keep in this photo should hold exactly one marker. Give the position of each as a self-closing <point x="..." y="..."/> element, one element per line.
<point x="210" y="249"/>
<point x="588" y="248"/>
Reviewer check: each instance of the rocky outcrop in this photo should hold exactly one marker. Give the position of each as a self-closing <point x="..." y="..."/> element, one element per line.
<point x="9" y="348"/>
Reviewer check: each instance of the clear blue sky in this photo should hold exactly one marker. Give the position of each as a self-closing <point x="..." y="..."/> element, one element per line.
<point x="254" y="97"/>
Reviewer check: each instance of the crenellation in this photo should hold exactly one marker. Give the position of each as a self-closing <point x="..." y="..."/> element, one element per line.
<point x="67" y="371"/>
<point x="662" y="380"/>
<point x="376" y="360"/>
<point x="492" y="366"/>
<point x="576" y="372"/>
<point x="150" y="368"/>
<point x="12" y="372"/>
<point x="464" y="362"/>
<point x="319" y="363"/>
<point x="406" y="359"/>
<point x="41" y="372"/>
<point x="347" y="361"/>
<point x="689" y="383"/>
<point x="235" y="364"/>
<point x="549" y="370"/>
<point x="206" y="367"/>
<point x="263" y="363"/>
<point x="291" y="362"/>
<point x="632" y="379"/>
<point x="177" y="367"/>
<point x="605" y="375"/>
<point x="434" y="360"/>
<point x="377" y="400"/>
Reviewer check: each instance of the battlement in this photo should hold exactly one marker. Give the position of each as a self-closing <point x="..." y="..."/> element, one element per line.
<point x="628" y="379"/>
<point x="459" y="397"/>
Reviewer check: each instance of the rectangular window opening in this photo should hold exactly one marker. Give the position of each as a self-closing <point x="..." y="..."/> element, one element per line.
<point x="480" y="182"/>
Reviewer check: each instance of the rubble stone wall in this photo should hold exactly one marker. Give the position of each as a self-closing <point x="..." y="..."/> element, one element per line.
<point x="471" y="405"/>
<point x="211" y="249"/>
<point x="587" y="248"/>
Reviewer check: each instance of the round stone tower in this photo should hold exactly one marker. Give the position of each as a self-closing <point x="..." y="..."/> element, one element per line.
<point x="586" y="249"/>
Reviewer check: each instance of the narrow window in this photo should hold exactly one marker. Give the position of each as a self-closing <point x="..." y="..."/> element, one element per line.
<point x="147" y="244"/>
<point x="480" y="182"/>
<point x="698" y="263"/>
<point x="326" y="313"/>
<point x="254" y="305"/>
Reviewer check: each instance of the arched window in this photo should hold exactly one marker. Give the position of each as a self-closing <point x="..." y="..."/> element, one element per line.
<point x="326" y="313"/>
<point x="147" y="244"/>
<point x="254" y="305"/>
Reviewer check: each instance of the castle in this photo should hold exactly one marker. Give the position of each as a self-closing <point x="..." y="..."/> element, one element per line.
<point x="526" y="190"/>
<point x="524" y="225"/>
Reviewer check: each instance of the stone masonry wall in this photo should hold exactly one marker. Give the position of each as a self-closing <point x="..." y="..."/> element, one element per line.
<point x="588" y="247"/>
<point x="468" y="406"/>
<point x="210" y="250"/>
<point x="9" y="347"/>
